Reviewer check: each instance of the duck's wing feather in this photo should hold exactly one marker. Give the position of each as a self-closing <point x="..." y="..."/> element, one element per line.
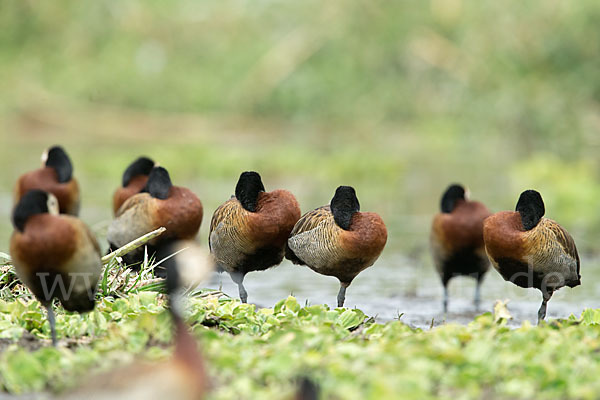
<point x="314" y="240"/>
<point x="132" y="202"/>
<point x="566" y="241"/>
<point x="310" y="220"/>
<point x="229" y="239"/>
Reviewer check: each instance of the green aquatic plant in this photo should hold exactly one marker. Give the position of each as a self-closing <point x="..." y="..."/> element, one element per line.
<point x="259" y="353"/>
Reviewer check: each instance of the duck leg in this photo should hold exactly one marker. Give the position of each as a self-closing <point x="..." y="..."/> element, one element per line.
<point x="341" y="297"/>
<point x="477" y="300"/>
<point x="52" y="322"/>
<point x="243" y="292"/>
<point x="546" y="295"/>
<point x="445" y="301"/>
<point x="239" y="280"/>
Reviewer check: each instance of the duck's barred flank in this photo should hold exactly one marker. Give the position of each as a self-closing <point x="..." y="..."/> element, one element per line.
<point x="229" y="237"/>
<point x="315" y="241"/>
<point x="555" y="248"/>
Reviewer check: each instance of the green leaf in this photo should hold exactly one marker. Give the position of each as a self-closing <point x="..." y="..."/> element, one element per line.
<point x="351" y="318"/>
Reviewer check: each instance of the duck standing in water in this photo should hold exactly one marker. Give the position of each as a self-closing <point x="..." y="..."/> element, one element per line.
<point x="249" y="231"/>
<point x="457" y="240"/>
<point x="338" y="240"/>
<point x="530" y="250"/>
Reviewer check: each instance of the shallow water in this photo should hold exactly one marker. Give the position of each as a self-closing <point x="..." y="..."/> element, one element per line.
<point x="397" y="286"/>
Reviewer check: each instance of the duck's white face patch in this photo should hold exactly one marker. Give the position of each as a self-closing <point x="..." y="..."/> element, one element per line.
<point x="467" y="194"/>
<point x="44" y="157"/>
<point x="52" y="204"/>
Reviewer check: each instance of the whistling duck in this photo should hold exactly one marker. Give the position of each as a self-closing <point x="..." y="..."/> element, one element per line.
<point x="134" y="181"/>
<point x="457" y="240"/>
<point x="181" y="377"/>
<point x="249" y="231"/>
<point x="161" y="204"/>
<point x="55" y="176"/>
<point x="55" y="256"/>
<point x="531" y="251"/>
<point x="338" y="240"/>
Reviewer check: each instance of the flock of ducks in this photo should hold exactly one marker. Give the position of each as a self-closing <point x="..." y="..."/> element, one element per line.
<point x="57" y="257"/>
<point x="254" y="230"/>
<point x="523" y="246"/>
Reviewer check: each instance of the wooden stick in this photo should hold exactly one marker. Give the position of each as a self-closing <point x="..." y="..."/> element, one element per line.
<point x="121" y="251"/>
<point x="134" y="244"/>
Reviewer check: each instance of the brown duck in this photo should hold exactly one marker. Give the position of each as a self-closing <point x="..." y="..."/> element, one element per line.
<point x="249" y="231"/>
<point x="56" y="177"/>
<point x="338" y="240"/>
<point x="134" y="180"/>
<point x="161" y="204"/>
<point x="530" y="250"/>
<point x="457" y="240"/>
<point x="55" y="256"/>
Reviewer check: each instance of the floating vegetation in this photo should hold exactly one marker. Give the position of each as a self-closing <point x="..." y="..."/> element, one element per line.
<point x="259" y="353"/>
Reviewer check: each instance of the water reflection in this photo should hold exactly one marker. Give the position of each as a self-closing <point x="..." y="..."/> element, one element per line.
<point x="397" y="286"/>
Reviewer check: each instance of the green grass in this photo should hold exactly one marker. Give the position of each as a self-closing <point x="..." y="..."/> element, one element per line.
<point x="259" y="353"/>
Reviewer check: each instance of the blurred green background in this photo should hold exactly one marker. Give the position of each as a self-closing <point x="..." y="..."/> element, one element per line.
<point x="398" y="99"/>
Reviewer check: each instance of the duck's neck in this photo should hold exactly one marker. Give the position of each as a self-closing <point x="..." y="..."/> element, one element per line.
<point x="343" y="217"/>
<point x="63" y="167"/>
<point x="186" y="349"/>
<point x="159" y="183"/>
<point x="531" y="209"/>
